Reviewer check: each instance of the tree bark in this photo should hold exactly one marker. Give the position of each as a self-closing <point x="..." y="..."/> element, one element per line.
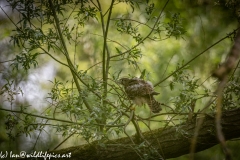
<point x="169" y="142"/>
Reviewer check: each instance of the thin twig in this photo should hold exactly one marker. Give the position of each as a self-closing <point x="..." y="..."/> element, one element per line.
<point x="126" y="124"/>
<point x="38" y="135"/>
<point x="8" y="60"/>
<point x="167" y="66"/>
<point x="231" y="77"/>
<point x="155" y="24"/>
<point x="195" y="58"/>
<point x="60" y="120"/>
<point x="197" y="129"/>
<point x="64" y="140"/>
<point x="134" y="21"/>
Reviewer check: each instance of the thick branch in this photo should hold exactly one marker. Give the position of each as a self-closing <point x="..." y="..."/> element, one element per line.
<point x="171" y="142"/>
<point x="230" y="63"/>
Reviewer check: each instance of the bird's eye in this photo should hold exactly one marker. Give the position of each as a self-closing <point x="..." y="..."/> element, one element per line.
<point x="120" y="81"/>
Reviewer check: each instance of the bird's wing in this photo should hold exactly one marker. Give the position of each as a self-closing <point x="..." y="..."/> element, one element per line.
<point x="139" y="89"/>
<point x="133" y="81"/>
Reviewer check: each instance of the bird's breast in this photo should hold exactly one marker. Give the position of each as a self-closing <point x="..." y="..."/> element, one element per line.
<point x="139" y="101"/>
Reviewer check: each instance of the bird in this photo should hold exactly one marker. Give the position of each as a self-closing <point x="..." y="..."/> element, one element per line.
<point x="141" y="92"/>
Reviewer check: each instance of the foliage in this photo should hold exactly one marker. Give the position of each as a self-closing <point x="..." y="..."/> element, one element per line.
<point x="88" y="102"/>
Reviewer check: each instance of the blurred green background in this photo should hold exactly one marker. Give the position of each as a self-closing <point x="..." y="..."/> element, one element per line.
<point x="203" y="23"/>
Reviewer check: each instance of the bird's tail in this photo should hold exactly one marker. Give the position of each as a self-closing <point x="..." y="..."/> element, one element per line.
<point x="154" y="105"/>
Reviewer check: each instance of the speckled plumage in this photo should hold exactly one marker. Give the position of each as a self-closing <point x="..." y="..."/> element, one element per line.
<point x="140" y="92"/>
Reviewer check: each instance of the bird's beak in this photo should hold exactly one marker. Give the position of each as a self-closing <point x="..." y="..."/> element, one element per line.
<point x="118" y="81"/>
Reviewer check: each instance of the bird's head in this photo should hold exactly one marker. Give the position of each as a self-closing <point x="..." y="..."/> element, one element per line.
<point x="123" y="81"/>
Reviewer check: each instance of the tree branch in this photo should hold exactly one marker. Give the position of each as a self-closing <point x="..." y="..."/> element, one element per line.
<point x="147" y="36"/>
<point x="57" y="119"/>
<point x="195" y="58"/>
<point x="171" y="142"/>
